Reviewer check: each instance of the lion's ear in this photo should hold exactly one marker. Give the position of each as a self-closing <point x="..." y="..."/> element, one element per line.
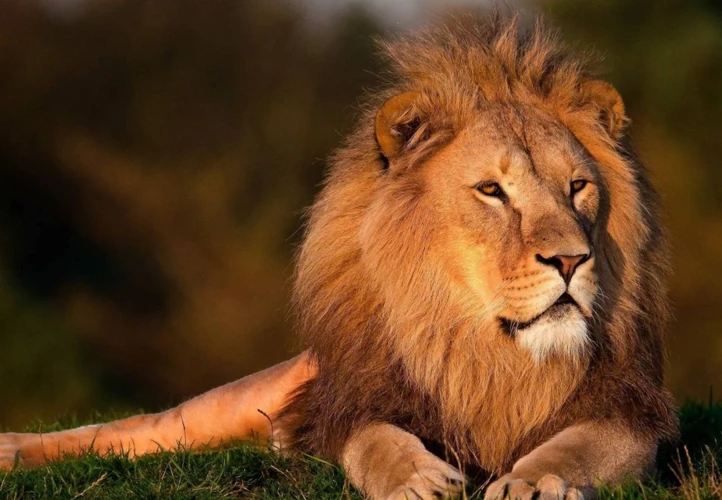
<point x="605" y="98"/>
<point x="396" y="122"/>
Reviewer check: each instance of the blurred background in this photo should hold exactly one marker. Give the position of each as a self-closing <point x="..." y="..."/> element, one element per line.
<point x="155" y="158"/>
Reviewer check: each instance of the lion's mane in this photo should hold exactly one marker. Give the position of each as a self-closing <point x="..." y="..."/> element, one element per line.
<point x="393" y="338"/>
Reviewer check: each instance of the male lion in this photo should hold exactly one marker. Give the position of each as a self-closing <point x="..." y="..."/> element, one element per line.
<point x="483" y="273"/>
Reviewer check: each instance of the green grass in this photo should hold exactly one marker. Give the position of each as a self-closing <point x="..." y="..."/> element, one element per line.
<point x="686" y="470"/>
<point x="242" y="471"/>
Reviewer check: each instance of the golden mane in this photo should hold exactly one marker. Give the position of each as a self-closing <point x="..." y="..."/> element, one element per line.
<point x="491" y="61"/>
<point x="469" y="62"/>
<point x="390" y="333"/>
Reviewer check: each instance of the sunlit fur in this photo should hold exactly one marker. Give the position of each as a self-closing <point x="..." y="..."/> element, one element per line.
<point x="400" y="284"/>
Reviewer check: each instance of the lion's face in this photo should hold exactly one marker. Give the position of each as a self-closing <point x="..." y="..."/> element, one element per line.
<point x="510" y="207"/>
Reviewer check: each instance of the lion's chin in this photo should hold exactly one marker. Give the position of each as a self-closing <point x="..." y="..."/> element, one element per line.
<point x="563" y="333"/>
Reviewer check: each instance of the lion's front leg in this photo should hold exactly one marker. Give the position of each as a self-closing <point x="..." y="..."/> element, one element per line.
<point x="389" y="463"/>
<point x="574" y="462"/>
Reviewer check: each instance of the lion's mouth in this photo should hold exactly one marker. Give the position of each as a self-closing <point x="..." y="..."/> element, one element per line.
<point x="555" y="311"/>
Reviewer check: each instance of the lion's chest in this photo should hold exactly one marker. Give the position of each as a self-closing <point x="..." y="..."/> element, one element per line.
<point x="488" y="415"/>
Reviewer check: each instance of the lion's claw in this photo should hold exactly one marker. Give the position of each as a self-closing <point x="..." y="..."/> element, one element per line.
<point x="431" y="480"/>
<point x="548" y="487"/>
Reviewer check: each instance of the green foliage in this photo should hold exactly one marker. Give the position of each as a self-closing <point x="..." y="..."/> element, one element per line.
<point x="53" y="383"/>
<point x="701" y="430"/>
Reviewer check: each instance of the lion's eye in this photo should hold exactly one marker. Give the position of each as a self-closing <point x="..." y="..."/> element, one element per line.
<point x="578" y="185"/>
<point x="490" y="189"/>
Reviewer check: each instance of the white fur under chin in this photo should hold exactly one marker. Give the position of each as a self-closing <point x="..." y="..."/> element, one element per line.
<point x="567" y="337"/>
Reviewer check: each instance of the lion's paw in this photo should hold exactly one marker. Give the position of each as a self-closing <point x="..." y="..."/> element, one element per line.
<point x="548" y="487"/>
<point x="432" y="479"/>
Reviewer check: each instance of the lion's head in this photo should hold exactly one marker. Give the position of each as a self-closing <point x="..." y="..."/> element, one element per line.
<point x="486" y="228"/>
<point x="503" y="218"/>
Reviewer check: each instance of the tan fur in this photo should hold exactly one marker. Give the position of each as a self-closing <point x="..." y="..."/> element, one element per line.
<point x="390" y="463"/>
<point x="584" y="455"/>
<point x="409" y="274"/>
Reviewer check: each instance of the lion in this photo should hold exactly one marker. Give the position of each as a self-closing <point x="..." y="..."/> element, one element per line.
<point x="481" y="287"/>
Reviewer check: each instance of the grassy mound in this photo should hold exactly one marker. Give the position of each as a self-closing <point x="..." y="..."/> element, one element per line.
<point x="687" y="469"/>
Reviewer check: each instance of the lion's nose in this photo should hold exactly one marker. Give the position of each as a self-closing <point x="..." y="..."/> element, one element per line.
<point x="565" y="264"/>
